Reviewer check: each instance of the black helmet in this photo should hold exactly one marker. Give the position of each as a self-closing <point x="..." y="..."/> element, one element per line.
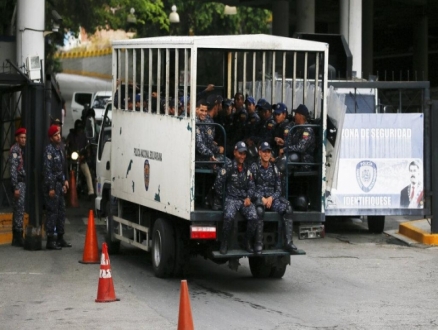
<point x="300" y="203"/>
<point x="281" y="163"/>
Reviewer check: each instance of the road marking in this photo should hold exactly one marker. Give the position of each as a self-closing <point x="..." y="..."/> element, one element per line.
<point x="19" y="273"/>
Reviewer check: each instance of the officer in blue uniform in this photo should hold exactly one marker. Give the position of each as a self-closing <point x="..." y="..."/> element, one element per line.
<point x="239" y="119"/>
<point x="302" y="140"/>
<point x="206" y="148"/>
<point x="55" y="185"/>
<point x="18" y="178"/>
<point x="239" y="189"/>
<point x="281" y="127"/>
<point x="267" y="193"/>
<point x="265" y="131"/>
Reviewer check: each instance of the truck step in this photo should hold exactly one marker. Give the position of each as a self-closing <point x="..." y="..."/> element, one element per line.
<point x="244" y="253"/>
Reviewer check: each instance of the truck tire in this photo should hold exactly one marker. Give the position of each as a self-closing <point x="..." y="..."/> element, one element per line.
<point x="278" y="271"/>
<point x="163" y="248"/>
<point x="259" y="267"/>
<point x="376" y="223"/>
<point x="112" y="244"/>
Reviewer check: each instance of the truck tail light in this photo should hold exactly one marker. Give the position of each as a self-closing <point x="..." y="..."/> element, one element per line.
<point x="197" y="232"/>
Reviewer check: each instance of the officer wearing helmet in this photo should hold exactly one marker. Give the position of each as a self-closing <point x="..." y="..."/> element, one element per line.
<point x="268" y="195"/>
<point x="239" y="189"/>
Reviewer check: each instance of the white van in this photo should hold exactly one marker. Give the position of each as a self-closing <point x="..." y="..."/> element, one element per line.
<point x="97" y="101"/>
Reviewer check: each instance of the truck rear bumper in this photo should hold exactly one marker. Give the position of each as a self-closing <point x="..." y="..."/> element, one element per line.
<point x="217" y="216"/>
<point x="243" y="253"/>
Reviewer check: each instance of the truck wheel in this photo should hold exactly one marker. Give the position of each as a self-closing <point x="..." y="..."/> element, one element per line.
<point x="259" y="267"/>
<point x="112" y="244"/>
<point x="376" y="223"/>
<point x="278" y="271"/>
<point x="163" y="248"/>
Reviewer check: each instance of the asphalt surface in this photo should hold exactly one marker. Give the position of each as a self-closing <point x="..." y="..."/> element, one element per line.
<point x="349" y="280"/>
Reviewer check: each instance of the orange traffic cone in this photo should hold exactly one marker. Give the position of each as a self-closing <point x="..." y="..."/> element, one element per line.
<point x="185" y="320"/>
<point x="105" y="290"/>
<point x="91" y="250"/>
<point x="72" y="192"/>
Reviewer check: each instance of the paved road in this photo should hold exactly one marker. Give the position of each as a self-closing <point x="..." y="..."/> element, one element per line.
<point x="349" y="280"/>
<point x="69" y="84"/>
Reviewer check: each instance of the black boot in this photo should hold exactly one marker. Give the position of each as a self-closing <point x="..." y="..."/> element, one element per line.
<point x="51" y="243"/>
<point x="226" y="232"/>
<point x="258" y="245"/>
<point x="17" y="238"/>
<point x="61" y="242"/>
<point x="288" y="228"/>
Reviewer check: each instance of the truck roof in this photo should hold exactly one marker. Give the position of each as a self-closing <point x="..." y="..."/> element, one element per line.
<point x="249" y="41"/>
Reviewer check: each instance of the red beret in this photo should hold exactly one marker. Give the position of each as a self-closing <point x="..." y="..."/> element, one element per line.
<point x="20" y="130"/>
<point x="53" y="130"/>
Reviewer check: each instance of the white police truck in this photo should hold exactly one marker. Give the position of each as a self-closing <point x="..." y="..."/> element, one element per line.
<point x="149" y="186"/>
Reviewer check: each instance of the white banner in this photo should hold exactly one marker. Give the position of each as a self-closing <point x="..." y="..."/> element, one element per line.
<point x="380" y="163"/>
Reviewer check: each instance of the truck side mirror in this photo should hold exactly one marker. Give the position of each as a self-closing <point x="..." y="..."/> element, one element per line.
<point x="90" y="131"/>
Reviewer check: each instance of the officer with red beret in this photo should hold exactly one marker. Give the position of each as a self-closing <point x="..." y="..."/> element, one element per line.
<point x="18" y="178"/>
<point x="55" y="185"/>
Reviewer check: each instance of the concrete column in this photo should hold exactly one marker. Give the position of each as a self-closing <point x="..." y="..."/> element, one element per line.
<point x="367" y="38"/>
<point x="351" y="28"/>
<point x="306" y="16"/>
<point x="280" y="18"/>
<point x="421" y="49"/>
<point x="30" y="29"/>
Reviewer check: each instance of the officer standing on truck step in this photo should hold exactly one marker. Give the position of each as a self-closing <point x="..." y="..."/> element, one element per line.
<point x="239" y="189"/>
<point x="18" y="178"/>
<point x="55" y="186"/>
<point x="267" y="194"/>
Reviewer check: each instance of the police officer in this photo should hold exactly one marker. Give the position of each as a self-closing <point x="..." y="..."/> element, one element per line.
<point x="225" y="118"/>
<point x="239" y="189"/>
<point x="55" y="185"/>
<point x="302" y="140"/>
<point x="252" y="121"/>
<point x="267" y="194"/>
<point x="239" y="119"/>
<point x="18" y="178"/>
<point x="265" y="130"/>
<point x="206" y="148"/>
<point x="281" y="127"/>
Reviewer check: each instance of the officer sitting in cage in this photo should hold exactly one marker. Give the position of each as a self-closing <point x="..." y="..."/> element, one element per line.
<point x="268" y="195"/>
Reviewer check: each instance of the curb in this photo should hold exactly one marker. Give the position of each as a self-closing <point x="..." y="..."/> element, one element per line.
<point x="6" y="227"/>
<point x="417" y="231"/>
